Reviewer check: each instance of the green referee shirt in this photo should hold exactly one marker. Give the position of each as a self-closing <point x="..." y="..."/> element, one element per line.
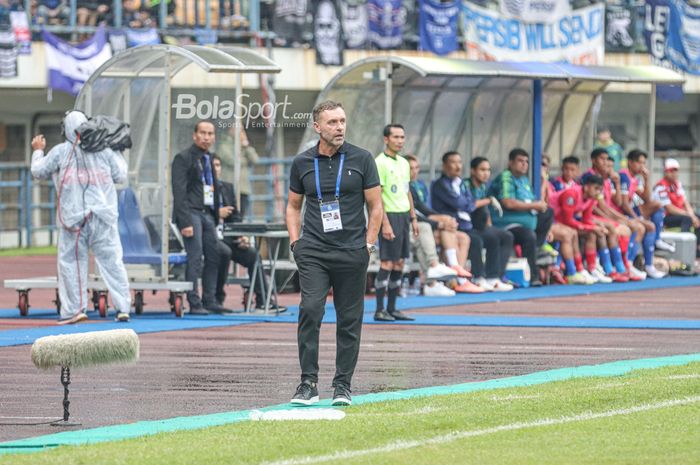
<point x="394" y="176"/>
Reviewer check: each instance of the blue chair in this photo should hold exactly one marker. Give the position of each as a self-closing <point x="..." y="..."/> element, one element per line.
<point x="134" y="236"/>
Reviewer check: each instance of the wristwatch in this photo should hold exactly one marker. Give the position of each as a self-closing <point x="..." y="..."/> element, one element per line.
<point x="371" y="248"/>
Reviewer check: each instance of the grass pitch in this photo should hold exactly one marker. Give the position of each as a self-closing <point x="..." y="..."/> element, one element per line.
<point x="645" y="417"/>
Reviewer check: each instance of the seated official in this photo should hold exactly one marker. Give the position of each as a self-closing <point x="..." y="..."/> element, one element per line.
<point x="452" y="197"/>
<point x="527" y="219"/>
<point x="237" y="249"/>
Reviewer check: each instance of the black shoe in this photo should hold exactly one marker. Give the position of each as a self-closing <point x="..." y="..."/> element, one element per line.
<point x="199" y="310"/>
<point x="307" y="394"/>
<point x="400" y="316"/>
<point x="341" y="396"/>
<point x="217" y="308"/>
<point x="381" y="315"/>
<point x="273" y="308"/>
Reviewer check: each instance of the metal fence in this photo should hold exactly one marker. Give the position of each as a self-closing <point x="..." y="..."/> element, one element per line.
<point x="28" y="206"/>
<point x="22" y="208"/>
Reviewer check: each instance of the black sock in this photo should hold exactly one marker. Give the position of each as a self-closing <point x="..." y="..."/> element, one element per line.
<point x="380" y="283"/>
<point x="393" y="292"/>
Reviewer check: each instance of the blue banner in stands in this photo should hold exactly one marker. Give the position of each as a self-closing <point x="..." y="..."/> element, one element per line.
<point x="148" y="36"/>
<point x="71" y="65"/>
<point x="386" y="22"/>
<point x="438" y="26"/>
<point x="672" y="34"/>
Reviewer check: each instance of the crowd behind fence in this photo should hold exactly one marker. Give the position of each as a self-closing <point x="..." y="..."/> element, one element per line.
<point x="251" y="20"/>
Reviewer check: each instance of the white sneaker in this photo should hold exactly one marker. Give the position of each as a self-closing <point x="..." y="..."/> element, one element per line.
<point x="499" y="286"/>
<point x="663" y="245"/>
<point x="589" y="277"/>
<point x="653" y="273"/>
<point x="600" y="277"/>
<point x="635" y="272"/>
<point x="484" y="284"/>
<point x="440" y="271"/>
<point x="438" y="290"/>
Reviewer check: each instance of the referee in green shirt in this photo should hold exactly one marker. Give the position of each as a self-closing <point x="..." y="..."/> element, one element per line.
<point x="399" y="219"/>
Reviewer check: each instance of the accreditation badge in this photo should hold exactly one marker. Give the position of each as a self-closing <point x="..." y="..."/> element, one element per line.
<point x="208" y="195"/>
<point x="330" y="216"/>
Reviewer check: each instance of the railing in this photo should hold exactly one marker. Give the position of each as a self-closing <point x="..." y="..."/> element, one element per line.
<point x="19" y="189"/>
<point x="270" y="188"/>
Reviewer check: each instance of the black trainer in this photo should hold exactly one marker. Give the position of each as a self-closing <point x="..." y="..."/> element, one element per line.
<point x="307" y="394"/>
<point x="400" y="316"/>
<point x="381" y="315"/>
<point x="216" y="308"/>
<point x="341" y="396"/>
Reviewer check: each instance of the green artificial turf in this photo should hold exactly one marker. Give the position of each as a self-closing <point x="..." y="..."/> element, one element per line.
<point x="27" y="251"/>
<point x="451" y="429"/>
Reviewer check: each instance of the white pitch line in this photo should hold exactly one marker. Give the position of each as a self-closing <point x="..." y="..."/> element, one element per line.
<point x="456" y="435"/>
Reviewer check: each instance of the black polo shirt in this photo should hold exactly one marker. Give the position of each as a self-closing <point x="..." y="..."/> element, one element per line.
<point x="359" y="173"/>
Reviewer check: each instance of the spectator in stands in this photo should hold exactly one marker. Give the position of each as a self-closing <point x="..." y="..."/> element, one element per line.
<point x="398" y="223"/>
<point x="527" y="219"/>
<point x="196" y="200"/>
<point x="455" y="243"/>
<point x="614" y="150"/>
<point x="641" y="190"/>
<point x="91" y="11"/>
<point x="607" y="212"/>
<point x="451" y="196"/>
<point x="237" y="249"/>
<point x="570" y="171"/>
<point x="480" y="174"/>
<point x="679" y="211"/>
<point x="52" y="12"/>
<point x="249" y="159"/>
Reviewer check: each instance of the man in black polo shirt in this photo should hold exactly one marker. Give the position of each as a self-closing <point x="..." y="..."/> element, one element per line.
<point x="337" y="179"/>
<point x="196" y="212"/>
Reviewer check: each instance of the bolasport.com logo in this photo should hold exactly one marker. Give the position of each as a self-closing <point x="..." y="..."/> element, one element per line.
<point x="250" y="113"/>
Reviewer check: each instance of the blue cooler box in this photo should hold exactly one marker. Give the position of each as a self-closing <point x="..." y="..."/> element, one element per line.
<point x="518" y="272"/>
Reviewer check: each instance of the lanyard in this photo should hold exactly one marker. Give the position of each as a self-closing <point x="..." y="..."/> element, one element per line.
<point x="337" y="182"/>
<point x="207" y="176"/>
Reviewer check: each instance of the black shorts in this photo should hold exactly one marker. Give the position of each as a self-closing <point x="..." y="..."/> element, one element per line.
<point x="400" y="247"/>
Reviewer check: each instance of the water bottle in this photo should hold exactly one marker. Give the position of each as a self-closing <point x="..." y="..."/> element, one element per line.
<point x="415" y="289"/>
<point x="404" y="288"/>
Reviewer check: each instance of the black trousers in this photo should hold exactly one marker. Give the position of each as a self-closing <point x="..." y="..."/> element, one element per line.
<point x="530" y="240"/>
<point x="498" y="244"/>
<point x="321" y="268"/>
<point x="203" y="242"/>
<point x="247" y="257"/>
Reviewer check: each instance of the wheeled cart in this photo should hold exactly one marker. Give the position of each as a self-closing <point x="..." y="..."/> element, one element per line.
<point x="176" y="291"/>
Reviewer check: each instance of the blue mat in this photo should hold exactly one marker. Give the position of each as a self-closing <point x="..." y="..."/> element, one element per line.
<point x="165" y="321"/>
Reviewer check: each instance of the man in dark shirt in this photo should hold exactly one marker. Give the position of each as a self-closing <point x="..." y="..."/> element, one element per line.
<point x="196" y="212"/>
<point x="332" y="250"/>
<point x="451" y="196"/>
<point x="237" y="249"/>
